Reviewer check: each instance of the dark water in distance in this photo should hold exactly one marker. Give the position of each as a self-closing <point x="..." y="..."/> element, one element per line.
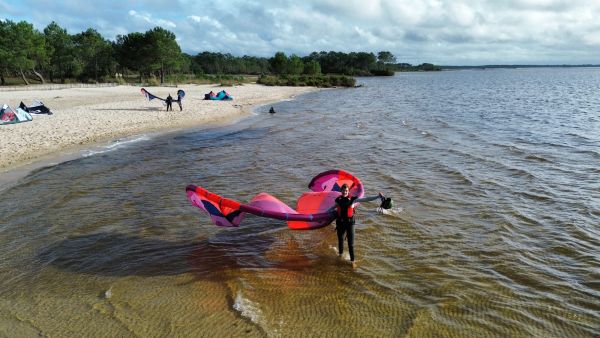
<point x="497" y="231"/>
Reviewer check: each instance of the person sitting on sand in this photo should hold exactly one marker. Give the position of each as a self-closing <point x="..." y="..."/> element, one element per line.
<point x="169" y="101"/>
<point x="344" y="221"/>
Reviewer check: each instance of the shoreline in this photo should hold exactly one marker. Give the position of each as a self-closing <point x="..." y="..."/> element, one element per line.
<point x="87" y="119"/>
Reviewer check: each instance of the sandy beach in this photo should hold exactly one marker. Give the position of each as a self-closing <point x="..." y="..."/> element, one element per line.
<point x="86" y="116"/>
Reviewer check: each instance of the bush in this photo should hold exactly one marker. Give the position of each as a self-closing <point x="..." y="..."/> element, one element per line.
<point x="324" y="81"/>
<point x="382" y="72"/>
<point x="152" y="81"/>
<point x="267" y="80"/>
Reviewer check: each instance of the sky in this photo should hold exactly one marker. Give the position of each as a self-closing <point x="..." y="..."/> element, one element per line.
<point x="443" y="32"/>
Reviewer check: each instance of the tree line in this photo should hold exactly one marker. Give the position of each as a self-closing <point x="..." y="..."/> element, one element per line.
<point x="55" y="55"/>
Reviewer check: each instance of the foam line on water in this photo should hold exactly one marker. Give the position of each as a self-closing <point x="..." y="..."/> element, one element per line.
<point x="118" y="144"/>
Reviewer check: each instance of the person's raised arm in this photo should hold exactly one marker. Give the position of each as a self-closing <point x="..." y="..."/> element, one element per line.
<point x="371" y="198"/>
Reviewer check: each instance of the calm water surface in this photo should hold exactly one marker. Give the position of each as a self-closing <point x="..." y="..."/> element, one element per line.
<point x="496" y="231"/>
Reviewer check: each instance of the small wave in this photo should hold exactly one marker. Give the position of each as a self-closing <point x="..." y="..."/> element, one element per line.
<point x="536" y="158"/>
<point x="551" y="145"/>
<point x="519" y="216"/>
<point x="579" y="137"/>
<point x="247" y="308"/>
<point x="115" y="145"/>
<point x="510" y="147"/>
<point x="108" y="293"/>
<point x="535" y="197"/>
<point x="360" y="125"/>
<point x="357" y="137"/>
<point x="456" y="174"/>
<point x="443" y="123"/>
<point x="516" y="172"/>
<point x="591" y="153"/>
<point x="395" y="212"/>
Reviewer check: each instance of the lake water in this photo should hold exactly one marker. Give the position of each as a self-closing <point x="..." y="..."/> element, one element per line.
<point x="495" y="231"/>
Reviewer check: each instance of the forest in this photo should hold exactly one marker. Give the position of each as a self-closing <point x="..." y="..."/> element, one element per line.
<point x="28" y="56"/>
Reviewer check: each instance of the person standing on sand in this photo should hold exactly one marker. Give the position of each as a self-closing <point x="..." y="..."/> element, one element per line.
<point x="344" y="220"/>
<point x="180" y="101"/>
<point x="169" y="101"/>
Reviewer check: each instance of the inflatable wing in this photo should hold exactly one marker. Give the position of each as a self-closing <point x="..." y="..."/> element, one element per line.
<point x="220" y="96"/>
<point x="149" y="95"/>
<point x="311" y="211"/>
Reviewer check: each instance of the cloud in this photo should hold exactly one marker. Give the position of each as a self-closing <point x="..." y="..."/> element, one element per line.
<point x="147" y="17"/>
<point x="205" y="20"/>
<point x="442" y="31"/>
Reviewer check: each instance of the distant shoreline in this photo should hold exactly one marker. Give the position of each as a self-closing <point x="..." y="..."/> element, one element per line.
<point x="520" y="66"/>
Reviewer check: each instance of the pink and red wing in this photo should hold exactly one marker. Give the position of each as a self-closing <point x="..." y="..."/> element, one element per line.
<point x="311" y="211"/>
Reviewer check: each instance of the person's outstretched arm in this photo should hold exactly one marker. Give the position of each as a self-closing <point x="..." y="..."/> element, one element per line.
<point x="371" y="198"/>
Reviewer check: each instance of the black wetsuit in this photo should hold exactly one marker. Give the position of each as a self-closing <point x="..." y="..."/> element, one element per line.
<point x="169" y="101"/>
<point x="179" y="103"/>
<point x="345" y="223"/>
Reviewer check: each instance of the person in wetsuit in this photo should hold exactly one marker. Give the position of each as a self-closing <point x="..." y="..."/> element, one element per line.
<point x="179" y="101"/>
<point x="344" y="220"/>
<point x="169" y="101"/>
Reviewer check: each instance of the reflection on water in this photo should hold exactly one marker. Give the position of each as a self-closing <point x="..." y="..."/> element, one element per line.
<point x="494" y="231"/>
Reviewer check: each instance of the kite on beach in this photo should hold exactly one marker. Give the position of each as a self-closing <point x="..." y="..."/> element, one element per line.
<point x="220" y="96"/>
<point x="37" y="107"/>
<point x="150" y="96"/>
<point x="314" y="208"/>
<point x="10" y="116"/>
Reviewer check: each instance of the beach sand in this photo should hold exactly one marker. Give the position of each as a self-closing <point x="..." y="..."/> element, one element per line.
<point x="87" y="116"/>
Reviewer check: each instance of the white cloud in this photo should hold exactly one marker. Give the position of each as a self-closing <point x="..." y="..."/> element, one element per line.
<point x="205" y="20"/>
<point x="365" y="35"/>
<point x="147" y="17"/>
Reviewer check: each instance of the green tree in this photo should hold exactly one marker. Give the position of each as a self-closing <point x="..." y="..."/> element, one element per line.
<point x="133" y="53"/>
<point x="256" y="65"/>
<point x="95" y="53"/>
<point x="295" y="65"/>
<point x="23" y="49"/>
<point x="5" y="49"/>
<point x="61" y="52"/>
<point x="26" y="49"/>
<point x="386" y="57"/>
<point x="164" y="50"/>
<point x="209" y="62"/>
<point x="429" y="67"/>
<point x="218" y="63"/>
<point x="363" y="61"/>
<point x="312" y="67"/>
<point x="185" y="62"/>
<point x="279" y="63"/>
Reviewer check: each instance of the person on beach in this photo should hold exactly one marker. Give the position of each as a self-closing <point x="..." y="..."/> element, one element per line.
<point x="179" y="101"/>
<point x="344" y="221"/>
<point x="169" y="101"/>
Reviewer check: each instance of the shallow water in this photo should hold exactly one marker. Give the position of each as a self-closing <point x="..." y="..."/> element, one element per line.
<point x="495" y="232"/>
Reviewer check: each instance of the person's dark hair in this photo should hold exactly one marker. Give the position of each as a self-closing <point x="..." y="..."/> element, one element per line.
<point x="344" y="186"/>
<point x="387" y="203"/>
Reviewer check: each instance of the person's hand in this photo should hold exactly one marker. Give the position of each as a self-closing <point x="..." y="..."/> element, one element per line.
<point x="381" y="196"/>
